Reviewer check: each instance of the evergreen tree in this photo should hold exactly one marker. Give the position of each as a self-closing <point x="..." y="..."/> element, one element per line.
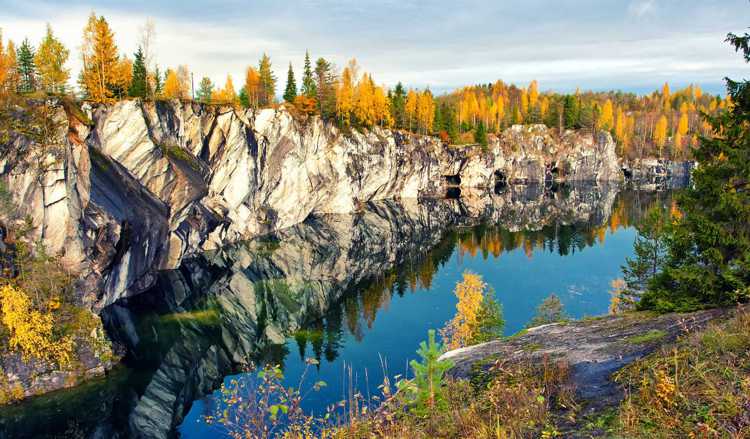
<point x="139" y="87"/>
<point x="650" y="254"/>
<point x="26" y="67"/>
<point x="309" y="88"/>
<point x="325" y="80"/>
<point x="244" y="98"/>
<point x="267" y="82"/>
<point x="480" y="135"/>
<point x="708" y="257"/>
<point x="571" y="112"/>
<point x="290" y="92"/>
<point x="451" y="124"/>
<point x="437" y="120"/>
<point x="398" y="101"/>
<point x="158" y="82"/>
<point x="426" y="390"/>
<point x="205" y="90"/>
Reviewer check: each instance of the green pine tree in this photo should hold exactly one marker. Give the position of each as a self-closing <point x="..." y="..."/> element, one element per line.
<point x="425" y="390"/>
<point x="309" y="88"/>
<point x="325" y="79"/>
<point x="244" y="98"/>
<point x="708" y="257"/>
<point x="139" y="87"/>
<point x="290" y="92"/>
<point x="571" y="112"/>
<point x="158" y="81"/>
<point x="398" y="101"/>
<point x="650" y="254"/>
<point x="26" y="67"/>
<point x="480" y="135"/>
<point x="267" y="82"/>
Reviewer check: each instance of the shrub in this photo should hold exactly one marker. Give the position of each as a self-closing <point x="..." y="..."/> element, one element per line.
<point x="551" y="310"/>
<point x="31" y="331"/>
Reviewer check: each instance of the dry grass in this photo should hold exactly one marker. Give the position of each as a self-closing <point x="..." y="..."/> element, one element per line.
<point x="698" y="388"/>
<point x="510" y="401"/>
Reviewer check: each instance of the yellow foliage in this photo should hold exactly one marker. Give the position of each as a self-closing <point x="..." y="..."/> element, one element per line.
<point x="50" y="63"/>
<point x="100" y="60"/>
<point x="31" y="331"/>
<point x="462" y="327"/>
<point x="606" y="120"/>
<point x="227" y="94"/>
<point x="176" y="85"/>
<point x="253" y="86"/>
<point x="660" y="132"/>
<point x="533" y="93"/>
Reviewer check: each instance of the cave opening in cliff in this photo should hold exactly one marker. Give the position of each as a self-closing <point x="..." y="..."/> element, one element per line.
<point x="453" y="193"/>
<point x="452" y="180"/>
<point x="501" y="181"/>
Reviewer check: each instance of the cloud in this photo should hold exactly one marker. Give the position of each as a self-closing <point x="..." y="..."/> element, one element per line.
<point x="604" y="44"/>
<point x="640" y="8"/>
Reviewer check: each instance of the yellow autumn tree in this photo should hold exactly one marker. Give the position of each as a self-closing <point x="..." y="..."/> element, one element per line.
<point x="175" y="85"/>
<point x="533" y="94"/>
<point x="382" y="107"/>
<point x="462" y="328"/>
<point x="606" y="120"/>
<point x="524" y="103"/>
<point x="4" y="64"/>
<point x="50" y="59"/>
<point x="364" y="101"/>
<point x="682" y="130"/>
<point x="666" y="98"/>
<point x="253" y="86"/>
<point x="410" y="107"/>
<point x="345" y="93"/>
<point x="100" y="61"/>
<point x="660" y="132"/>
<point x="226" y="95"/>
<point x="425" y="111"/>
<point x="31" y="332"/>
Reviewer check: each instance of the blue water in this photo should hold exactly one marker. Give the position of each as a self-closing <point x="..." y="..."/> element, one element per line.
<point x="193" y="330"/>
<point x="521" y="279"/>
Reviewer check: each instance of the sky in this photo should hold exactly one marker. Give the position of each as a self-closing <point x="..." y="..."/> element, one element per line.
<point x="630" y="45"/>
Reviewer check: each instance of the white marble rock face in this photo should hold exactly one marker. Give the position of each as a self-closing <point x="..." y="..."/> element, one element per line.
<point x="151" y="183"/>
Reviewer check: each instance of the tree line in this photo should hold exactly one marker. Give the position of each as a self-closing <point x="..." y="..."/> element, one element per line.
<point x="661" y="124"/>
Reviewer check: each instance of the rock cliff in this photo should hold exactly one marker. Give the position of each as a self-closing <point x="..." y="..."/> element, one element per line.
<point x="135" y="187"/>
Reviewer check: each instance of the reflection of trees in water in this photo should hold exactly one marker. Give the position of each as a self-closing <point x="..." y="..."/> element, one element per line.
<point x="362" y="302"/>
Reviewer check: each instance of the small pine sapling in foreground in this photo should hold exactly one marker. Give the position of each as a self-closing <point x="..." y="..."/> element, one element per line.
<point x="425" y="392"/>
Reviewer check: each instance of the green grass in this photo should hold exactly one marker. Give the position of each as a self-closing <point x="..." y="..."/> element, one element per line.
<point x="179" y="154"/>
<point x="648" y="337"/>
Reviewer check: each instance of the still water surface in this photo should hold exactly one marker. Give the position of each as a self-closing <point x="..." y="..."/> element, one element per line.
<point x="352" y="291"/>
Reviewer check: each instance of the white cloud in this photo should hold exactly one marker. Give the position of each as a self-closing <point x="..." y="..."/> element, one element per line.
<point x="640" y="8"/>
<point x="441" y="46"/>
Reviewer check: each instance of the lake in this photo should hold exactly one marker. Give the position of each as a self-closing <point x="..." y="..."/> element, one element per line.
<point x="355" y="292"/>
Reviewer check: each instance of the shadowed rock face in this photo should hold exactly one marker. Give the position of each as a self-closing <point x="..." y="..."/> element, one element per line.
<point x="145" y="185"/>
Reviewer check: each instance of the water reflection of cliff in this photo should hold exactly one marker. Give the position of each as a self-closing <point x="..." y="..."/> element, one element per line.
<point x="317" y="280"/>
